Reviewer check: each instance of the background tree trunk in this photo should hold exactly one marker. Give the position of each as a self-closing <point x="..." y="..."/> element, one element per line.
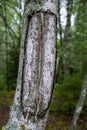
<point x="36" y="67"/>
<point x="67" y="37"/>
<point x="60" y="65"/>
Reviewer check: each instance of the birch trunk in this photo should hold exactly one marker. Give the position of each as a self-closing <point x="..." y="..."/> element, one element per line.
<point x="36" y="68"/>
<point x="79" y="105"/>
<point x="67" y="37"/>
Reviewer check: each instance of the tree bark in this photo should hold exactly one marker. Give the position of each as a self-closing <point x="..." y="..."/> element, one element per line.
<point x="59" y="66"/>
<point x="67" y="37"/>
<point x="36" y="68"/>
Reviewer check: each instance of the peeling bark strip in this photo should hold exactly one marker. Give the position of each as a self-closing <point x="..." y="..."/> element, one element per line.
<point x="36" y="68"/>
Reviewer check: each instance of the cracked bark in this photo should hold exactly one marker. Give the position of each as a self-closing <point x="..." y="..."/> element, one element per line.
<point x="36" y="70"/>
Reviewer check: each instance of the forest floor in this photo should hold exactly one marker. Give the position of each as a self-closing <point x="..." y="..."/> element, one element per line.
<point x="56" y="121"/>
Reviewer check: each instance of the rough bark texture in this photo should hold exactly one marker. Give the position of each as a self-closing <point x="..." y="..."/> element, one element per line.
<point x="36" y="69"/>
<point x="79" y="105"/>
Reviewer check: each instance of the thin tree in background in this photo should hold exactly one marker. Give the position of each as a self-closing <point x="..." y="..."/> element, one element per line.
<point x="36" y="66"/>
<point x="67" y="37"/>
<point x="60" y="66"/>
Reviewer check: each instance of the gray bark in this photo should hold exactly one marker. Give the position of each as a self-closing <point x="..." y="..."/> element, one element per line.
<point x="79" y="105"/>
<point x="36" y="68"/>
<point x="67" y="36"/>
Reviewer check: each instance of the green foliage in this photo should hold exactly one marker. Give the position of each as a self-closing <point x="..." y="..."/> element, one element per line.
<point x="2" y="82"/>
<point x="54" y="107"/>
<point x="79" y="39"/>
<point x="13" y="66"/>
<point x="10" y="29"/>
<point x="68" y="93"/>
<point x="68" y="108"/>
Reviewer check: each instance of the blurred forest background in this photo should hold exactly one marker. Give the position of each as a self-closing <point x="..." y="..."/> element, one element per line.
<point x="71" y="65"/>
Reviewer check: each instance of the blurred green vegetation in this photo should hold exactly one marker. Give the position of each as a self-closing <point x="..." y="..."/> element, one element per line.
<point x="10" y="32"/>
<point x="6" y="98"/>
<point x="66" y="96"/>
<point x="2" y="82"/>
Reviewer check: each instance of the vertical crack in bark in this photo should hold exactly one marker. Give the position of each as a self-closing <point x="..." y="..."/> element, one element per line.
<point x="40" y="113"/>
<point x="22" y="84"/>
<point x="41" y="44"/>
<point x="39" y="96"/>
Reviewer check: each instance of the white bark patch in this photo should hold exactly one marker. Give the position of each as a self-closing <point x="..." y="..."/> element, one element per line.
<point x="44" y="6"/>
<point x="79" y="109"/>
<point x="48" y="59"/>
<point x="31" y="67"/>
<point x="50" y="5"/>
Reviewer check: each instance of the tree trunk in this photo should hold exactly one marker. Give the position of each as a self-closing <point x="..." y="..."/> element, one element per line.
<point x="36" y="67"/>
<point x="59" y="66"/>
<point x="67" y="37"/>
<point x="79" y="105"/>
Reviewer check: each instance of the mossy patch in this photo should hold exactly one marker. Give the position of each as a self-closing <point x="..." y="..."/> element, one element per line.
<point x="23" y="127"/>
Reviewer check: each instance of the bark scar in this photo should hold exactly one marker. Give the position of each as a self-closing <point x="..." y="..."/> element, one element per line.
<point x="25" y="45"/>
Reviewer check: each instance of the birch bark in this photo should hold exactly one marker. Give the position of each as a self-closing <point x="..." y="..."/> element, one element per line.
<point x="67" y="37"/>
<point x="36" y="68"/>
